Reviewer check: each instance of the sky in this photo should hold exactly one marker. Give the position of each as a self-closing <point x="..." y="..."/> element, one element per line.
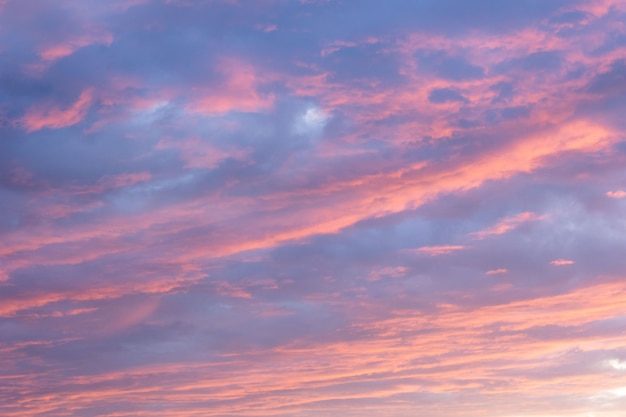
<point x="312" y="208"/>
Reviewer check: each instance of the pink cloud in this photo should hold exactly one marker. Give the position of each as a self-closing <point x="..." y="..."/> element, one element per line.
<point x="496" y="271"/>
<point x="198" y="153"/>
<point x="266" y="28"/>
<point x="507" y="224"/>
<point x="439" y="250"/>
<point x="229" y="290"/>
<point x="286" y="264"/>
<point x="21" y="176"/>
<point x="616" y="194"/>
<point x="239" y="91"/>
<point x="388" y="272"/>
<point x="59" y="50"/>
<point x="48" y="115"/>
<point x="111" y="182"/>
<point x="561" y="262"/>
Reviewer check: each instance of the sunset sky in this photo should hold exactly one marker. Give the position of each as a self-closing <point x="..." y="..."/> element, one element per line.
<point x="312" y="208"/>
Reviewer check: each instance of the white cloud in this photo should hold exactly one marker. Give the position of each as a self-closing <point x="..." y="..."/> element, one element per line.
<point x="617" y="364"/>
<point x="311" y="122"/>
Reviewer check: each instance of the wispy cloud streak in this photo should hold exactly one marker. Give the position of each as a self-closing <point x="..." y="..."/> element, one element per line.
<point x="228" y="208"/>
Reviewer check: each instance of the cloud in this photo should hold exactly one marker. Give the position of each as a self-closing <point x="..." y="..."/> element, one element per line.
<point x="238" y="91"/>
<point x="616" y="194"/>
<point x="311" y="122"/>
<point x="610" y="82"/>
<point x="48" y="115"/>
<point x="561" y="262"/>
<point x="617" y="364"/>
<point x="507" y="224"/>
<point x="198" y="196"/>
<point x="439" y="250"/>
<point x="57" y="51"/>
<point x="199" y="153"/>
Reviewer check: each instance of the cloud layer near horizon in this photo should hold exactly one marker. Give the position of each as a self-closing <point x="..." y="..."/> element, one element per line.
<point x="312" y="208"/>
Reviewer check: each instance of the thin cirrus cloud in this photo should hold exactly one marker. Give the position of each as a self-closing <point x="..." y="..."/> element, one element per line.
<point x="561" y="262"/>
<point x="53" y="116"/>
<point x="497" y="271"/>
<point x="398" y="208"/>
<point x="507" y="224"/>
<point x="439" y="249"/>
